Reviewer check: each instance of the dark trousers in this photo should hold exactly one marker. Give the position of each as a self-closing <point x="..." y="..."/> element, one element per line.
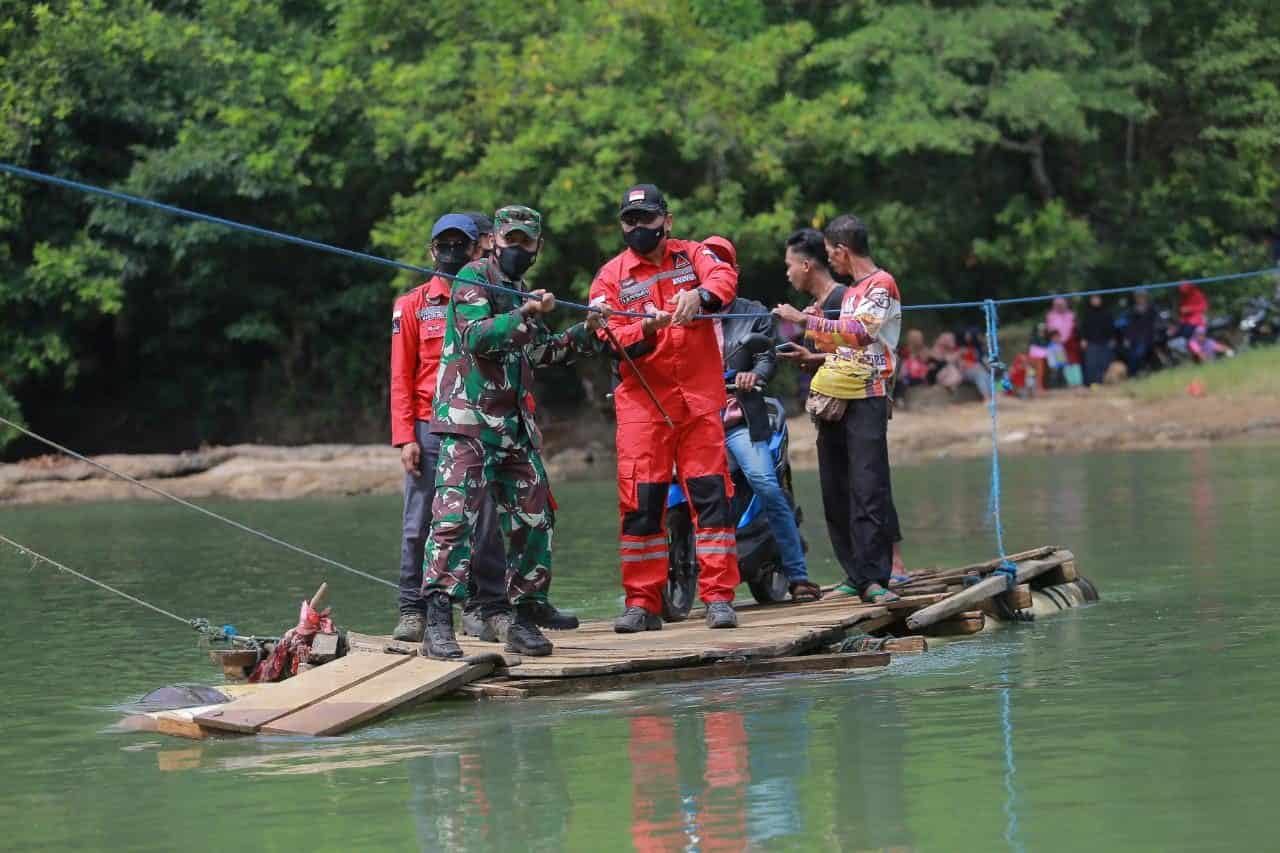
<point x="1139" y="352"/>
<point x="857" y="498"/>
<point x="488" y="561"/>
<point x="1097" y="358"/>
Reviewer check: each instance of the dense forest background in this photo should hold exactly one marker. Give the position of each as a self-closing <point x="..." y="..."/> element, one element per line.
<point x="996" y="149"/>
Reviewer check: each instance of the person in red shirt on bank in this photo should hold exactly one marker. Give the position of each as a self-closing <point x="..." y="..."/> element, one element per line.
<point x="417" y="334"/>
<point x="668" y="403"/>
<point x="1193" y="305"/>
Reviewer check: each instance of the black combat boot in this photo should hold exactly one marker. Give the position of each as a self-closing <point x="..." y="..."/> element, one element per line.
<point x="523" y="637"/>
<point x="635" y="620"/>
<point x="439" y="642"/>
<point x="546" y="615"/>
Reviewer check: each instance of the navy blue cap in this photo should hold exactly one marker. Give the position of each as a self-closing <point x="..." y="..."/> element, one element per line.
<point x="455" y="222"/>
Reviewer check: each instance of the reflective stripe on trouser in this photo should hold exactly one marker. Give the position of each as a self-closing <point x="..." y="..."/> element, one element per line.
<point x="468" y="469"/>
<point x="646" y="454"/>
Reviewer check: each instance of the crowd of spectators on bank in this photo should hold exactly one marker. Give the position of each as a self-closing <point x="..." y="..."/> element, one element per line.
<point x="1100" y="342"/>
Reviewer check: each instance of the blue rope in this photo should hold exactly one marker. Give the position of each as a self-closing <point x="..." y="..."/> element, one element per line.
<point x="182" y="212"/>
<point x="999" y="382"/>
<point x="273" y="235"/>
<point x="1010" y="799"/>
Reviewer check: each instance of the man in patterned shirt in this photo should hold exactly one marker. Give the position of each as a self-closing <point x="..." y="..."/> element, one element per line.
<point x="852" y="391"/>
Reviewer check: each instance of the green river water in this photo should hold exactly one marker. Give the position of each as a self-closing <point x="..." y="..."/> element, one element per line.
<point x="1144" y="722"/>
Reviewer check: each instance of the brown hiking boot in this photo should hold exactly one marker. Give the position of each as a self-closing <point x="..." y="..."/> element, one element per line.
<point x="410" y="628"/>
<point x="487" y="629"/>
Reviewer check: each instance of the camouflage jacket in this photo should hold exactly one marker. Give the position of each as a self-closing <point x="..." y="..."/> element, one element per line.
<point x="485" y="383"/>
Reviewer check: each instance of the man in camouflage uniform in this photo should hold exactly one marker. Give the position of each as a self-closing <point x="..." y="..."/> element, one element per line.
<point x="484" y="411"/>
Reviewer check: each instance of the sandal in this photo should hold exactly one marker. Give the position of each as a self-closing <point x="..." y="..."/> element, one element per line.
<point x="804" y="590"/>
<point x="876" y="594"/>
<point x="845" y="589"/>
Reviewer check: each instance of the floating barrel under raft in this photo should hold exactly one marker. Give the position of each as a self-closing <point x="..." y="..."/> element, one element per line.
<point x="377" y="675"/>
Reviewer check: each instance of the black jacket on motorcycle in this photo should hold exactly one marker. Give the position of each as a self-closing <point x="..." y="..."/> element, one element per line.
<point x="748" y="346"/>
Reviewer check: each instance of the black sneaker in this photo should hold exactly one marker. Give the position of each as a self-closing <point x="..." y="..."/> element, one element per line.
<point x="545" y="615"/>
<point x="439" y="642"/>
<point x="637" y="619"/>
<point x="720" y="614"/>
<point x="410" y="628"/>
<point x="524" y="637"/>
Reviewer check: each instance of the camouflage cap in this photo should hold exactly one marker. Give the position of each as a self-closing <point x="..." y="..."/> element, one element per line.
<point x="517" y="217"/>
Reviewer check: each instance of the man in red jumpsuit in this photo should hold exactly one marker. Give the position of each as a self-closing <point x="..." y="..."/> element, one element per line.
<point x="675" y="420"/>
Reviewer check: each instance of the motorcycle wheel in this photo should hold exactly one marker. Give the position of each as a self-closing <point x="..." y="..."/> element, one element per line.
<point x="770" y="588"/>
<point x="681" y="589"/>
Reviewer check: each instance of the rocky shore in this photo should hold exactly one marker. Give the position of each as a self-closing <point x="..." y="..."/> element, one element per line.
<point x="1065" y="421"/>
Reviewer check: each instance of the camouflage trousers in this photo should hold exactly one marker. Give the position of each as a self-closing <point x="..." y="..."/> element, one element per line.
<point x="468" y="468"/>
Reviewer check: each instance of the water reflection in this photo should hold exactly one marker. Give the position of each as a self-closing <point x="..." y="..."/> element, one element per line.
<point x="508" y="786"/>
<point x="722" y="779"/>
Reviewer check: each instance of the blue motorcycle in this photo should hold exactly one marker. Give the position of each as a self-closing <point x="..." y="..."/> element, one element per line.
<point x="759" y="564"/>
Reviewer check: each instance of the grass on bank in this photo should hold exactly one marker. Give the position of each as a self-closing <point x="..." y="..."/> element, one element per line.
<point x="1255" y="373"/>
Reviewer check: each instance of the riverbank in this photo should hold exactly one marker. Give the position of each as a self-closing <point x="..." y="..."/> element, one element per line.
<point x="1236" y="399"/>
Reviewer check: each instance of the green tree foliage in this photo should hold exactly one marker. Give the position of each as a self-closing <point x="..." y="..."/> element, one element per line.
<point x="997" y="148"/>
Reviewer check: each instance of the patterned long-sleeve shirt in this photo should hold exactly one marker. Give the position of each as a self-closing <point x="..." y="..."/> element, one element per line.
<point x="490" y="348"/>
<point x="862" y="341"/>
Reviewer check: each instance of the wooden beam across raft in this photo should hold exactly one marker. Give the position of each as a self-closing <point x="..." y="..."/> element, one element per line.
<point x="970" y="597"/>
<point x="522" y="688"/>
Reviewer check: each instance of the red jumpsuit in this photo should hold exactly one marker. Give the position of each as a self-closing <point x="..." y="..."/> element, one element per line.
<point x="682" y="367"/>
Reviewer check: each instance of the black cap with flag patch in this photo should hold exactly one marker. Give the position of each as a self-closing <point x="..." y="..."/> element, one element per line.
<point x="644" y="197"/>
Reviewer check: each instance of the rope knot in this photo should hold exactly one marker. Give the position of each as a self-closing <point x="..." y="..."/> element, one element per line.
<point x="1010" y="571"/>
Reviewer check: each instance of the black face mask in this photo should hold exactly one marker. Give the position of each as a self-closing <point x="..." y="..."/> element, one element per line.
<point x="644" y="240"/>
<point x="450" y="259"/>
<point x="514" y="261"/>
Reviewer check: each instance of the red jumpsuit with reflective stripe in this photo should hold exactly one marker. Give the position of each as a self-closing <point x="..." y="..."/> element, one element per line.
<point x="682" y="367"/>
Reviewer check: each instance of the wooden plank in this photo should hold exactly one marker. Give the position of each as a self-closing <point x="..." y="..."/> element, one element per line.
<point x="969" y="597"/>
<point x="707" y="672"/>
<point x="182" y="723"/>
<point x="257" y="709"/>
<point x="418" y="678"/>
<point x="379" y="644"/>
<point x="963" y="624"/>
<point x="1064" y="573"/>
<point x="998" y="606"/>
<point x="236" y="664"/>
<point x="493" y="688"/>
<point x="906" y="645"/>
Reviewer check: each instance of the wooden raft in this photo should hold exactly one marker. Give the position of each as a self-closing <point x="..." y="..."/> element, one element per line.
<point x="379" y="674"/>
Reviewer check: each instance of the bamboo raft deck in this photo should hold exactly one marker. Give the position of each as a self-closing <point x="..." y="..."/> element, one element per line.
<point x="838" y="632"/>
